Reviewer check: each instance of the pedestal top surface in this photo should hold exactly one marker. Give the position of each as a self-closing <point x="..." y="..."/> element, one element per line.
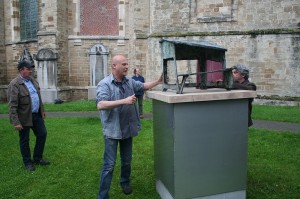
<point x="195" y="95"/>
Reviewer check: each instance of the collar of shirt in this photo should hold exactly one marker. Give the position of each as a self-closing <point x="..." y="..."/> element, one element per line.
<point x="115" y="81"/>
<point x="24" y="79"/>
<point x="35" y="102"/>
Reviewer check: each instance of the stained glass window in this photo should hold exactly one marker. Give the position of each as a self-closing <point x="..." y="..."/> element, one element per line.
<point x="28" y="19"/>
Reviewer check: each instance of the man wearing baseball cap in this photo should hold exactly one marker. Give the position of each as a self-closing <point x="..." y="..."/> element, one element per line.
<point x="26" y="111"/>
<point x="241" y="81"/>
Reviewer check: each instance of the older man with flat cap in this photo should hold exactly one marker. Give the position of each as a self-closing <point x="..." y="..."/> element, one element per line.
<point x="240" y="74"/>
<point x="26" y="111"/>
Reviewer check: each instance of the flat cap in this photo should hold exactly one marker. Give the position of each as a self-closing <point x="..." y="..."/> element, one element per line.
<point x="26" y="64"/>
<point x="242" y="69"/>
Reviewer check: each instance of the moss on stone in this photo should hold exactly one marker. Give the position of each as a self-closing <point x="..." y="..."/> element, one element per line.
<point x="222" y="33"/>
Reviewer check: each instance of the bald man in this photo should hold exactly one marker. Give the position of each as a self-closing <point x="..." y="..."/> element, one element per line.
<point x="120" y="121"/>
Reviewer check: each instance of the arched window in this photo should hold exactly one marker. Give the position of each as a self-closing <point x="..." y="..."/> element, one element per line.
<point x="28" y="19"/>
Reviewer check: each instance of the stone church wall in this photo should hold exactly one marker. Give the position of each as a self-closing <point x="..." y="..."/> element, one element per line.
<point x="223" y="15"/>
<point x="2" y="48"/>
<point x="261" y="34"/>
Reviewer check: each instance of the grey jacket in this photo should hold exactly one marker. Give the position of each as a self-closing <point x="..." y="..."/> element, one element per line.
<point x="19" y="102"/>
<point x="246" y="85"/>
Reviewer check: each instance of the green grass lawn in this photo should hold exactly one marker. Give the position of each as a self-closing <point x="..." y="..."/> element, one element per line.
<point x="75" y="148"/>
<point x="277" y="113"/>
<point x="273" y="165"/>
<point x="84" y="105"/>
<point x="260" y="112"/>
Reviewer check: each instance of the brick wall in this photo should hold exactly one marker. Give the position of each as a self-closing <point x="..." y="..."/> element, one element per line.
<point x="138" y="56"/>
<point x="140" y="17"/>
<point x="79" y="58"/>
<point x="99" y="17"/>
<point x="2" y="47"/>
<point x="223" y="15"/>
<point x="9" y="21"/>
<point x="13" y="54"/>
<point x="62" y="43"/>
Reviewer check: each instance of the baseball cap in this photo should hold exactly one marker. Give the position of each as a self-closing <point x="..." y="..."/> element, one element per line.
<point x="26" y="64"/>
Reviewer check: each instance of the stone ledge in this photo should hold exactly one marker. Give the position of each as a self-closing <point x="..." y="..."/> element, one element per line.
<point x="222" y="33"/>
<point x="197" y="95"/>
<point x="91" y="37"/>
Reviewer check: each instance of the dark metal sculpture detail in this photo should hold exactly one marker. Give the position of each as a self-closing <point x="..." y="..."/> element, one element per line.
<point x="192" y="63"/>
<point x="26" y="56"/>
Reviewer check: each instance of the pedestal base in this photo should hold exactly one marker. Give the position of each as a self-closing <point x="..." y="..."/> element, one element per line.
<point x="200" y="144"/>
<point x="164" y="193"/>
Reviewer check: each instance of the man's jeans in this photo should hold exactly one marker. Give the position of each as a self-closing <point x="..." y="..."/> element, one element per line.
<point x="110" y="155"/>
<point x="40" y="132"/>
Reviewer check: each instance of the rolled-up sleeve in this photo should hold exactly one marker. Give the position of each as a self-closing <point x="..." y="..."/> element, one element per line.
<point x="102" y="92"/>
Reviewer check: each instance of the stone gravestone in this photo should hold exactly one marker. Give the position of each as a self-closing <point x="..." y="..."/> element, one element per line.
<point x="98" y="68"/>
<point x="47" y="74"/>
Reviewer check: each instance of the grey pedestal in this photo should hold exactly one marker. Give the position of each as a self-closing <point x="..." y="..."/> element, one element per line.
<point x="200" y="147"/>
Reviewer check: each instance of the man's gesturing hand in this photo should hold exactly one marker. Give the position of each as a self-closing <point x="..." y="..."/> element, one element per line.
<point x="130" y="100"/>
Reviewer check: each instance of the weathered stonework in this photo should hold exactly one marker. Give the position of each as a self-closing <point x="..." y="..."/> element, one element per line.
<point x="3" y="73"/>
<point x="261" y="34"/>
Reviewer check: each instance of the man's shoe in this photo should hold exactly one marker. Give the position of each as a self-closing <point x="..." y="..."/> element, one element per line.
<point x="41" y="162"/>
<point x="126" y="189"/>
<point x="30" y="167"/>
